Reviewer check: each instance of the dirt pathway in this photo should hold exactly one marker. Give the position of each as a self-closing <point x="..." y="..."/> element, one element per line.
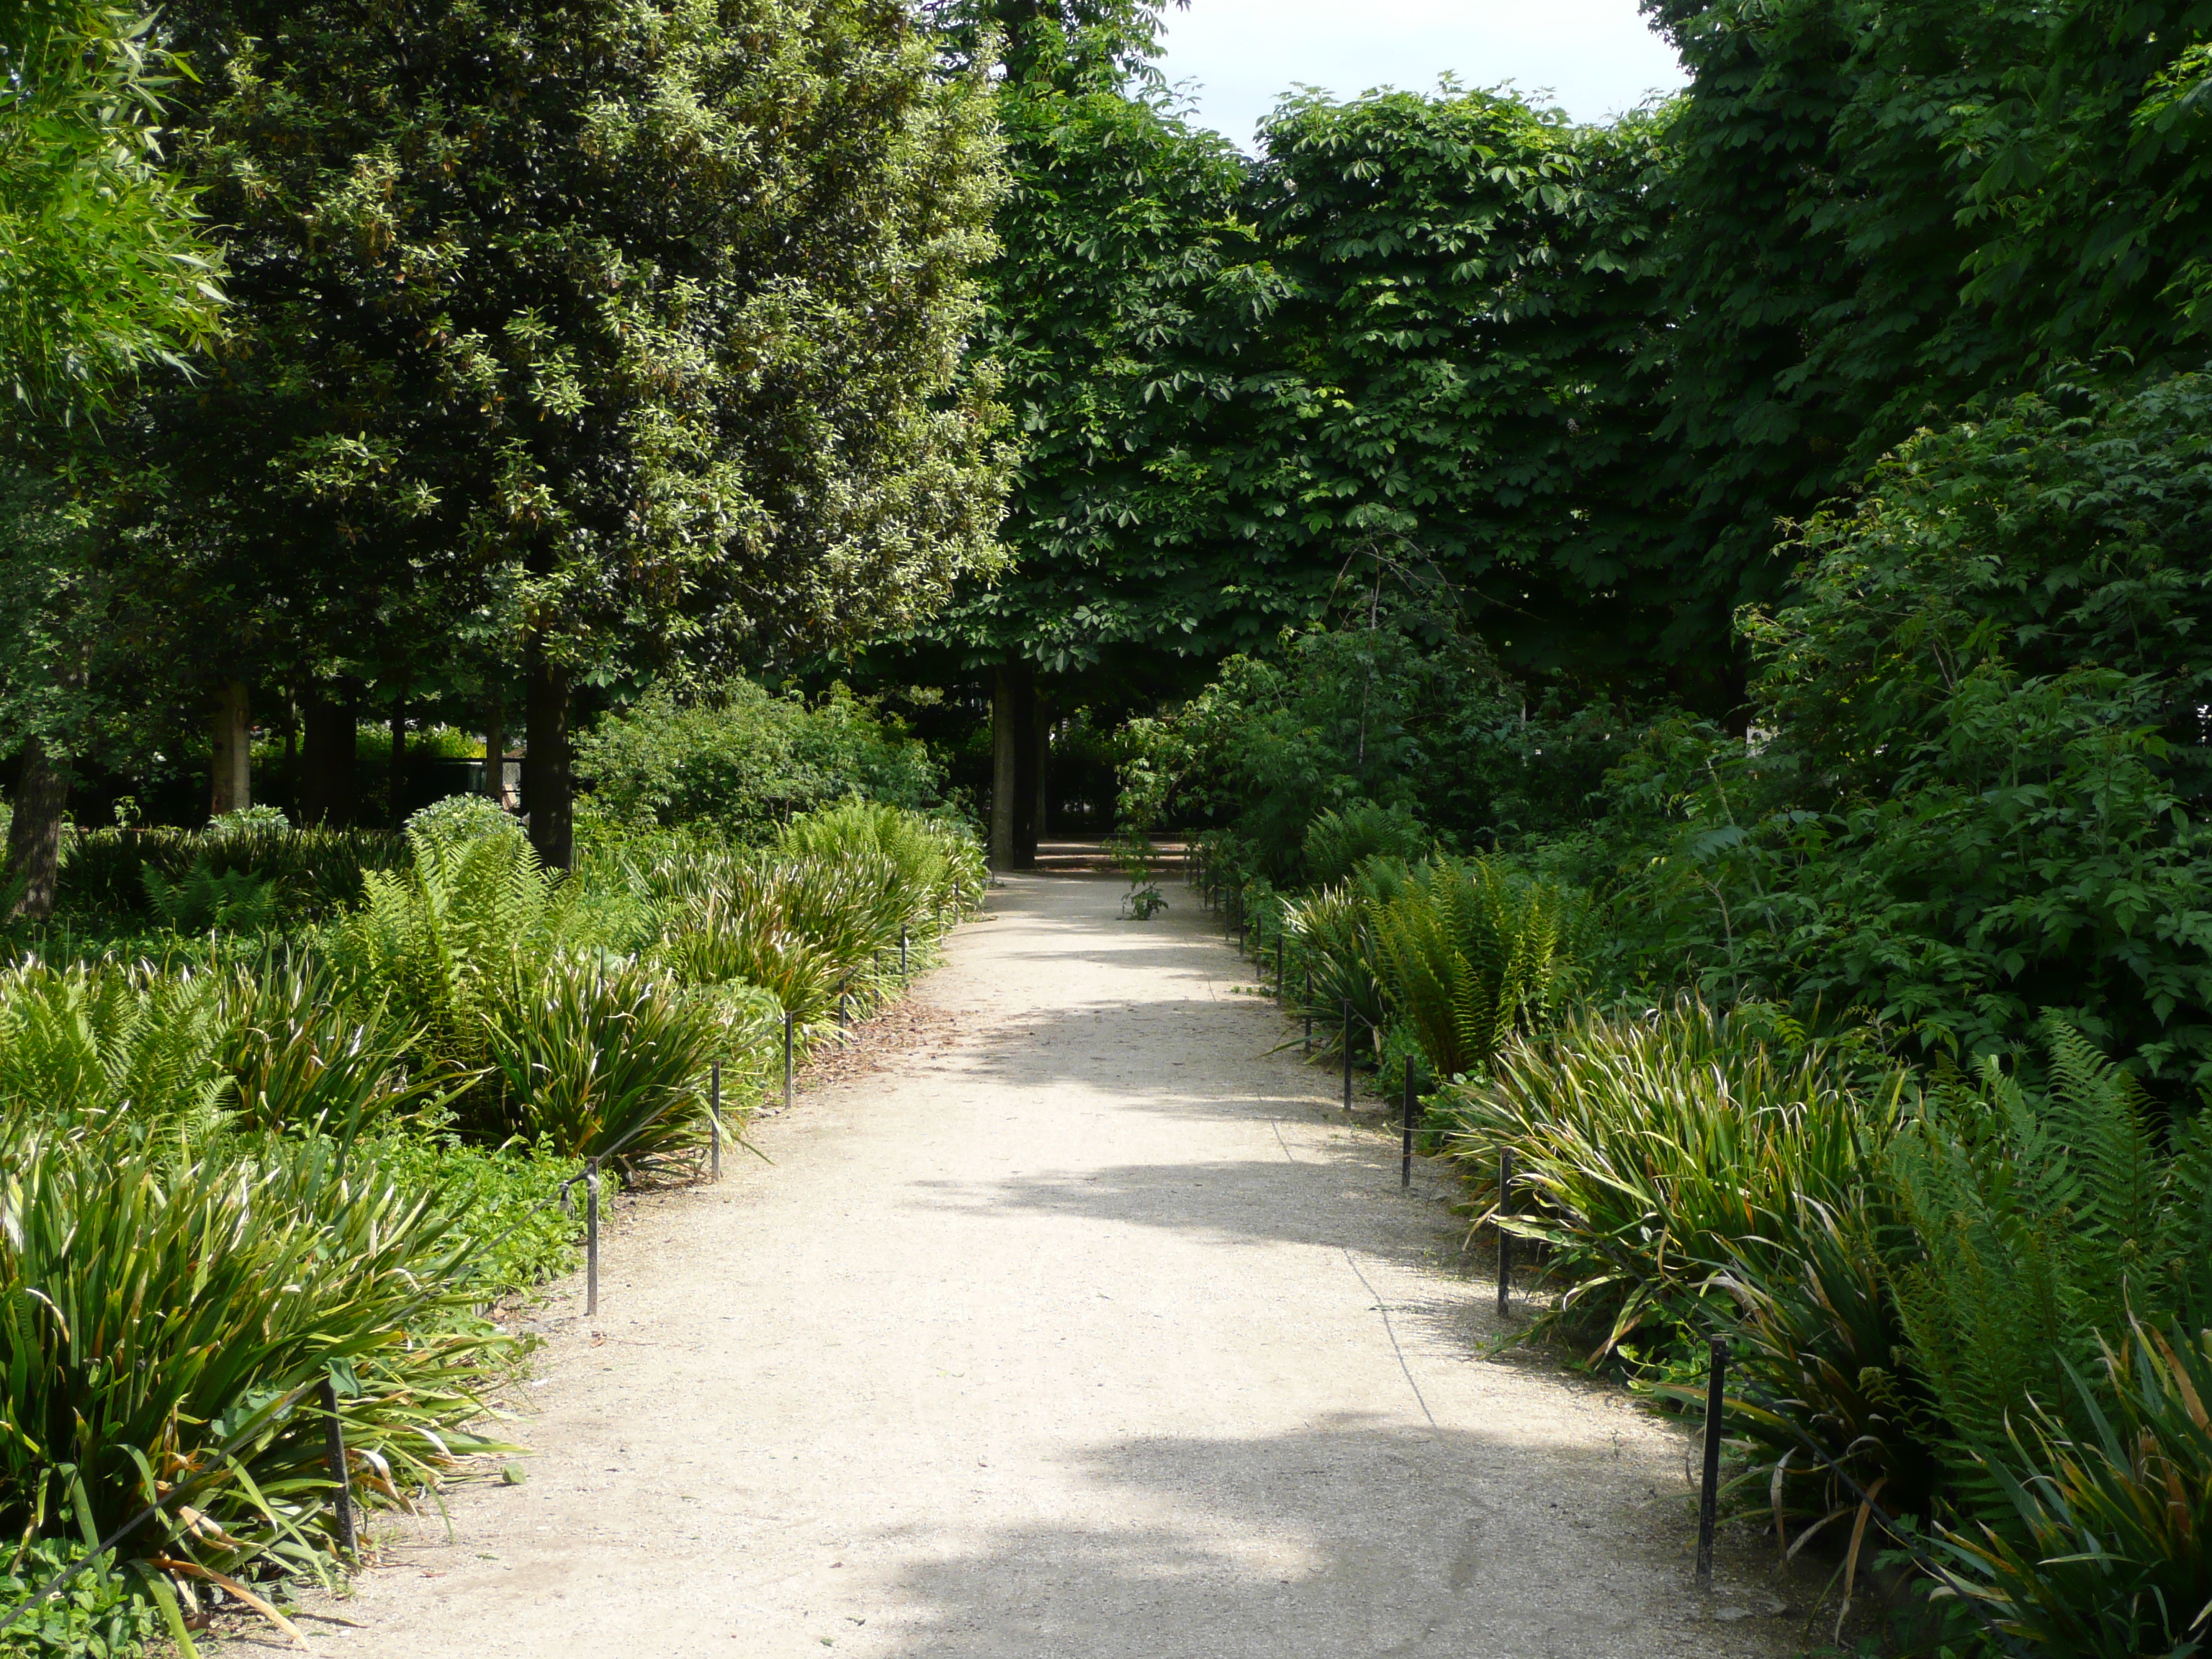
<point x="1088" y="1329"/>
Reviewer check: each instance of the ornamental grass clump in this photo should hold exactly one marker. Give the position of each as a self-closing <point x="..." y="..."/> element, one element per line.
<point x="1653" y="1153"/>
<point x="2109" y="1554"/>
<point x="603" y="1059"/>
<point x="168" y="1310"/>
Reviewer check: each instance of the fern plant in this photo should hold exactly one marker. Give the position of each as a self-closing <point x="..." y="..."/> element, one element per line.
<point x="1338" y="842"/>
<point x="100" y="1043"/>
<point x="443" y="943"/>
<point x="2043" y="1221"/>
<point x="1470" y="955"/>
<point x="236" y="901"/>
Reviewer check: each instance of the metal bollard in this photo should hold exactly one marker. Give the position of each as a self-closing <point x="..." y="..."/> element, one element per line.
<point x="786" y="1059"/>
<point x="1709" y="1494"/>
<point x="1406" y="1159"/>
<point x="715" y="1121"/>
<point x="341" y="1477"/>
<point x="591" y="1239"/>
<point x="1280" y="987"/>
<point x="1308" y="1006"/>
<point x="1505" y="1238"/>
<point x="1240" y="939"/>
<point x="1347" y="1054"/>
<point x="903" y="974"/>
<point x="843" y="1013"/>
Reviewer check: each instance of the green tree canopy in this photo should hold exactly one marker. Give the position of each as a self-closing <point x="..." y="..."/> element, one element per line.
<point x="1878" y="213"/>
<point x="99" y="270"/>
<point x="1461" y="368"/>
<point x="609" y="332"/>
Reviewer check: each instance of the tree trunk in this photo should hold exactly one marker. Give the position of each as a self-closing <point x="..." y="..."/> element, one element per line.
<point x="233" y="790"/>
<point x="395" y="786"/>
<point x="494" y="734"/>
<point x="327" y="792"/>
<point x="1006" y="764"/>
<point x="1025" y="770"/>
<point x="34" y="835"/>
<point x="1040" y="826"/>
<point x="549" y="786"/>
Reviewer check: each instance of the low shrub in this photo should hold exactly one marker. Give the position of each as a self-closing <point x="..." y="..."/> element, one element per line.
<point x="300" y="875"/>
<point x="738" y="758"/>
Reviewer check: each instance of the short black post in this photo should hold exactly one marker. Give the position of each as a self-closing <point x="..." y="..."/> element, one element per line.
<point x="1280" y="987"/>
<point x="714" y="1120"/>
<point x="1709" y="1494"/>
<point x="1406" y="1159"/>
<point x="591" y="1239"/>
<point x="787" y="1018"/>
<point x="843" y="1012"/>
<point x="341" y="1477"/>
<point x="1308" y="1048"/>
<point x="1347" y="1054"/>
<point x="1240" y="939"/>
<point x="1505" y="1238"/>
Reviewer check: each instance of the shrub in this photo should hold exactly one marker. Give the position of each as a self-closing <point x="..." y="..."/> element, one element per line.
<point x="309" y="874"/>
<point x="746" y="762"/>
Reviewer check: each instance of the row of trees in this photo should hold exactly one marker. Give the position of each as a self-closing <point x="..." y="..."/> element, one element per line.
<point x="1581" y="380"/>
<point x="542" y="343"/>
<point x="567" y="343"/>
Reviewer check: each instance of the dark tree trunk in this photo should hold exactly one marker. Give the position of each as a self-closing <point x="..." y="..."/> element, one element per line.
<point x="549" y="786"/>
<point x="395" y="786"/>
<point x="495" y="736"/>
<point x="34" y="835"/>
<point x="232" y="785"/>
<point x="1014" y="767"/>
<point x="1041" y="796"/>
<point x="326" y="790"/>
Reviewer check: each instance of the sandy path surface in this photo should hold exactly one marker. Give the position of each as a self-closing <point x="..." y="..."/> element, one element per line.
<point x="1088" y="1329"/>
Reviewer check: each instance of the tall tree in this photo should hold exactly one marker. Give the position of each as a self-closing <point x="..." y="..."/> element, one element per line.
<point x="1879" y="213"/>
<point x="101" y="275"/>
<point x="630" y="325"/>
<point x="1460" y="371"/>
<point x="1129" y="285"/>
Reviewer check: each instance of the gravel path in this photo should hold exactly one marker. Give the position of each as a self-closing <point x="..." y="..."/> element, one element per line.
<point x="1085" y="1327"/>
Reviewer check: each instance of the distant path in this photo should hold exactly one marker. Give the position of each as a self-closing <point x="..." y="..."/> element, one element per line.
<point x="1070" y="1332"/>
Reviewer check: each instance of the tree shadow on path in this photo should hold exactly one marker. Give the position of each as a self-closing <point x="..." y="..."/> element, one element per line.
<point x="1354" y="1537"/>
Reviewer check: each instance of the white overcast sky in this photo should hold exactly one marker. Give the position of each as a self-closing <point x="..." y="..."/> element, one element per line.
<point x="1597" y="57"/>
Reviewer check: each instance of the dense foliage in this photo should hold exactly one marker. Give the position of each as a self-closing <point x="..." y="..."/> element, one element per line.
<point x="378" y="1093"/>
<point x="744" y="762"/>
